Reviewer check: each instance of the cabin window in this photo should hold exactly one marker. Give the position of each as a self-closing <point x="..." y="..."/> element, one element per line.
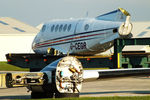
<point x="65" y="27"/>
<point x="56" y="28"/>
<point x="60" y="28"/>
<point x="69" y="27"/>
<point x="43" y="28"/>
<point x="86" y="27"/>
<point x="52" y="28"/>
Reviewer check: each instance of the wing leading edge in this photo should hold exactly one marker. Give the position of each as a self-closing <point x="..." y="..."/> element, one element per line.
<point x="89" y="75"/>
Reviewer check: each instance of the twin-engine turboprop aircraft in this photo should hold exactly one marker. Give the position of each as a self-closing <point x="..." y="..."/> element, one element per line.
<point x="87" y="36"/>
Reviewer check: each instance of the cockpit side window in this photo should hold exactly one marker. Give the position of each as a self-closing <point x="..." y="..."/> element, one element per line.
<point x="43" y="28"/>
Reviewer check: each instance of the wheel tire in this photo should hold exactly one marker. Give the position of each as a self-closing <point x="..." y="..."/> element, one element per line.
<point x="35" y="95"/>
<point x="9" y="80"/>
<point x="66" y="95"/>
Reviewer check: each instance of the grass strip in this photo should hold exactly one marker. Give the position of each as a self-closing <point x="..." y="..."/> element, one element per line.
<point x="7" y="67"/>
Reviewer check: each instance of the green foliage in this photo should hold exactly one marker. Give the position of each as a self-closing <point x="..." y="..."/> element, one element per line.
<point x="7" y="67"/>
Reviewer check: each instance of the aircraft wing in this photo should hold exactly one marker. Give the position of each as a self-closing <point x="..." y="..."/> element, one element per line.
<point x="89" y="75"/>
<point x="17" y="79"/>
<point x="117" y="15"/>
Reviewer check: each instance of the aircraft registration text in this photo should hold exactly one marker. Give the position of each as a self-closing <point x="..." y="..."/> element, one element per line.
<point x="78" y="45"/>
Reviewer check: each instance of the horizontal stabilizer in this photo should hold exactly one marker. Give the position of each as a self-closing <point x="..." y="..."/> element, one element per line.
<point x="117" y="15"/>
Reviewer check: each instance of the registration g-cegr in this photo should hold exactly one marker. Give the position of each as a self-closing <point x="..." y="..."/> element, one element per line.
<point x="78" y="46"/>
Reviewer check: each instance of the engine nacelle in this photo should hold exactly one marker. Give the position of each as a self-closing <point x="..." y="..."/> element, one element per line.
<point x="126" y="27"/>
<point x="66" y="73"/>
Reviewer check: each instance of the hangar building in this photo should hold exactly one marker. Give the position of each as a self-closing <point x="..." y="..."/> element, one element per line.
<point x="140" y="30"/>
<point x="15" y="37"/>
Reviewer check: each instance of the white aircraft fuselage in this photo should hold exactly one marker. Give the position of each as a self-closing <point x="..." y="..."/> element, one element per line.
<point x="87" y="36"/>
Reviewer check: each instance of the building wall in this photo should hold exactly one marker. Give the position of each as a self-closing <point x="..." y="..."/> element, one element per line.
<point x="15" y="44"/>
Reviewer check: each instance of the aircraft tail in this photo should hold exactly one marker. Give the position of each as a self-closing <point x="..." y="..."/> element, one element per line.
<point x="117" y="15"/>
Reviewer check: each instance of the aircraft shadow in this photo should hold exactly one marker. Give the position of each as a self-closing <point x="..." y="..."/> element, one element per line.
<point x="109" y="92"/>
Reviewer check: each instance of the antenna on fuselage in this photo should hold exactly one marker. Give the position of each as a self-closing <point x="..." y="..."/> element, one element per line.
<point x="87" y="14"/>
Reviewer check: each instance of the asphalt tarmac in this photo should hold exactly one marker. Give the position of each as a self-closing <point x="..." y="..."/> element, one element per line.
<point x="130" y="86"/>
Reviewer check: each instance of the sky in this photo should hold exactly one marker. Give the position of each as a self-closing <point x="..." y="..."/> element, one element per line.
<point x="35" y="12"/>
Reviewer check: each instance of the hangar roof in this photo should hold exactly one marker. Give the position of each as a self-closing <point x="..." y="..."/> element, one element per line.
<point x="141" y="29"/>
<point x="12" y="26"/>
